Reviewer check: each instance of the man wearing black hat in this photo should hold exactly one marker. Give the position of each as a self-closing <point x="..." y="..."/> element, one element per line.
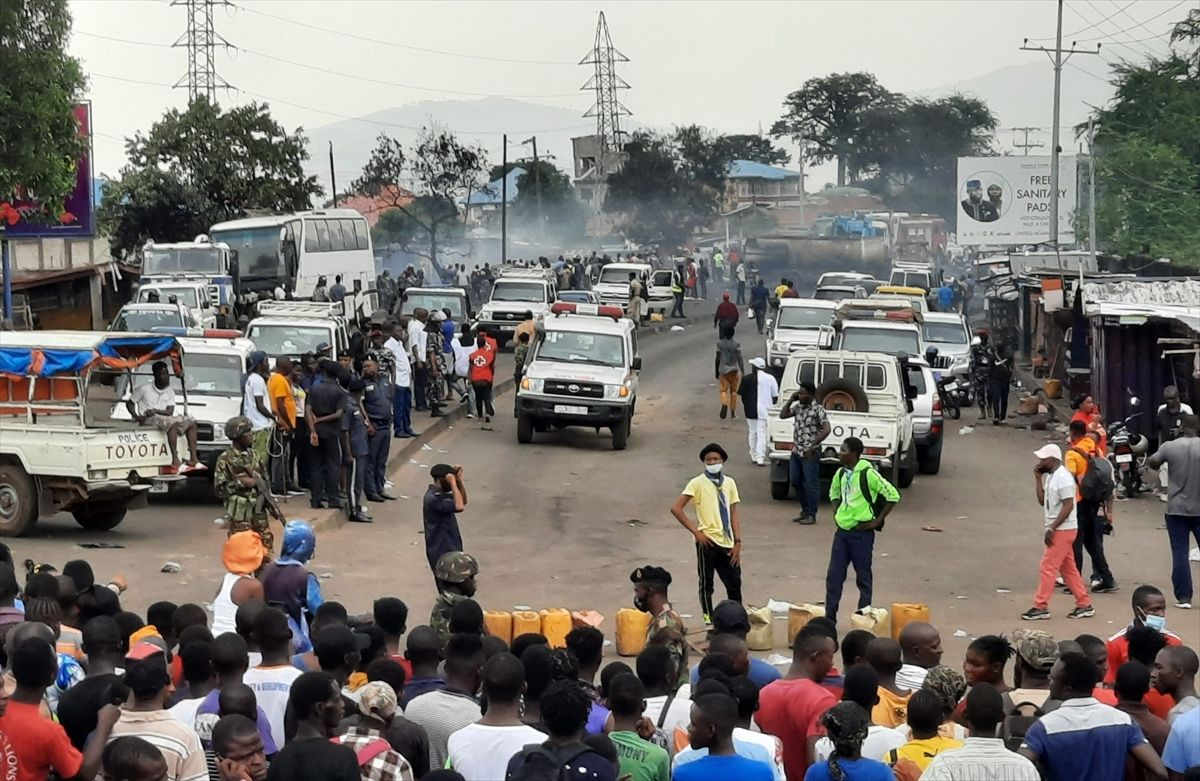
<point x="355" y="447"/>
<point x="650" y="586"/>
<point x="324" y="412"/>
<point x="717" y="528"/>
<point x="730" y="618"/>
<point x="444" y="499"/>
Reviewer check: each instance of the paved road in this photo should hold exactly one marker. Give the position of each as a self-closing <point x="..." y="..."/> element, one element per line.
<point x="562" y="522"/>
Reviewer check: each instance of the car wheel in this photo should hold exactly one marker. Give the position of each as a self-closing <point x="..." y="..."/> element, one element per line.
<point x="930" y="462"/>
<point x="524" y="429"/>
<point x="99" y="516"/>
<point x="620" y="434"/>
<point x="780" y="490"/>
<point x="18" y="501"/>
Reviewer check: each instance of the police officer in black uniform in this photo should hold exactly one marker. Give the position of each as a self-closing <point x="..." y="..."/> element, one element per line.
<point x="377" y="402"/>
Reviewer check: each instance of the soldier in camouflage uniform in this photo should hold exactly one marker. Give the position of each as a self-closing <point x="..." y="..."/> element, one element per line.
<point x="650" y="586"/>
<point x="455" y="574"/>
<point x="236" y="479"/>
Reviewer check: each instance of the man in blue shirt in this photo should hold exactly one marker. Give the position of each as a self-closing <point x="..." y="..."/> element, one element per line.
<point x="759" y="296"/>
<point x="1084" y="738"/>
<point x="355" y="449"/>
<point x="1183" y="744"/>
<point x="713" y="718"/>
<point x="730" y="618"/>
<point x="377" y="403"/>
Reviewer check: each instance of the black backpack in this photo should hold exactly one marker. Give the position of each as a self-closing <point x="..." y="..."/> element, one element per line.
<point x="877" y="502"/>
<point x="1097" y="484"/>
<point x="546" y="763"/>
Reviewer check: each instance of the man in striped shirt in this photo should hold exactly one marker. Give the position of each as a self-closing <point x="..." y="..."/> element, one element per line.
<point x="983" y="756"/>
<point x="148" y="718"/>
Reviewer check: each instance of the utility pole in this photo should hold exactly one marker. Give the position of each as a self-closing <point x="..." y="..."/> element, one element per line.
<point x="1091" y="131"/>
<point x="1026" y="146"/>
<point x="1058" y="60"/>
<point x="504" y="201"/>
<point x="803" y="197"/>
<point x="332" y="176"/>
<point x="537" y="182"/>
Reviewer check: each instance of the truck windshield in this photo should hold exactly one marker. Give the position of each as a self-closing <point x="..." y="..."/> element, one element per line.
<point x="571" y="347"/>
<point x="184" y="295"/>
<point x="832" y="293"/>
<point x="519" y="291"/>
<point x="911" y="279"/>
<point x="147" y="319"/>
<point x="206" y="374"/>
<point x="259" y="255"/>
<point x="804" y="317"/>
<point x="434" y="301"/>
<point x="614" y="276"/>
<point x="944" y="333"/>
<point x="288" y="339"/>
<point x="197" y="260"/>
<point x="881" y="340"/>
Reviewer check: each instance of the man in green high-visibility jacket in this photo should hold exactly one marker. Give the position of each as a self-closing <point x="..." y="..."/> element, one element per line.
<point x="859" y="515"/>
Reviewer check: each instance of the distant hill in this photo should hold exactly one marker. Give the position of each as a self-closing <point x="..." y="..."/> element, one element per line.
<point x="353" y="140"/>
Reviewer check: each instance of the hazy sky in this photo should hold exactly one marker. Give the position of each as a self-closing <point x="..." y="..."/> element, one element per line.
<point x="727" y="65"/>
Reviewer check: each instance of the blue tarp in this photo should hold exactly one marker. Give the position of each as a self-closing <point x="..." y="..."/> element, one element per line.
<point x="112" y="351"/>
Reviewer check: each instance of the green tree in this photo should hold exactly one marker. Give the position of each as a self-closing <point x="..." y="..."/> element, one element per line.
<point x="751" y="147"/>
<point x="910" y="149"/>
<point x="441" y="169"/>
<point x="1147" y="147"/>
<point x="825" y="116"/>
<point x="202" y="166"/>
<point x="39" y="86"/>
<point x="654" y="196"/>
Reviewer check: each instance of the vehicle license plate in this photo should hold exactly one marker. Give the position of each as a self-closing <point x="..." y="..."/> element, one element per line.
<point x="570" y="409"/>
<point x="159" y="487"/>
<point x="1124" y="458"/>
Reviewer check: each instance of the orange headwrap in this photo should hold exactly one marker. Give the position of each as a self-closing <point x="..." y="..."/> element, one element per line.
<point x="243" y="553"/>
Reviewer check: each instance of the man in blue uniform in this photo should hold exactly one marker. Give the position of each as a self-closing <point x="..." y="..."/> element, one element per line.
<point x="377" y="403"/>
<point x="355" y="449"/>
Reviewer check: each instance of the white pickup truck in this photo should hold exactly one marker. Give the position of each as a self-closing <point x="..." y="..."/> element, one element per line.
<point x="865" y="395"/>
<point x="58" y="450"/>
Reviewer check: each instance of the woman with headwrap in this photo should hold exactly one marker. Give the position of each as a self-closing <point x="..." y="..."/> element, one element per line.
<point x="242" y="556"/>
<point x="950" y="686"/>
<point x="288" y="585"/>
<point x="846" y="724"/>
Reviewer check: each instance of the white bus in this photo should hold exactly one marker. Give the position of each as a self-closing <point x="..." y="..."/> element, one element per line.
<point x="293" y="251"/>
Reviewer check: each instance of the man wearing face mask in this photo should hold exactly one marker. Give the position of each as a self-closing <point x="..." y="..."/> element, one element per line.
<point x="1149" y="609"/>
<point x="717" y="528"/>
<point x="650" y="586"/>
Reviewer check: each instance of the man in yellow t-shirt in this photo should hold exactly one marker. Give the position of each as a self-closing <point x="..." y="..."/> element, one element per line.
<point x="717" y="528"/>
<point x="925" y="716"/>
<point x="282" y="401"/>
<point x="885" y="657"/>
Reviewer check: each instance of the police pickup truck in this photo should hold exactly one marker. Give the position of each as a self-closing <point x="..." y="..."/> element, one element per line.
<point x="865" y="395"/>
<point x="581" y="371"/>
<point x="515" y="292"/>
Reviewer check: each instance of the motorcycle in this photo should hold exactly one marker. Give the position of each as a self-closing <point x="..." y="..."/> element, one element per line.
<point x="953" y="390"/>
<point x="1128" y="450"/>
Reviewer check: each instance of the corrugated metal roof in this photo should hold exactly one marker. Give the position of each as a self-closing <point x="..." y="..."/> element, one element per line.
<point x="748" y="169"/>
<point x="1173" y="299"/>
<point x="490" y="195"/>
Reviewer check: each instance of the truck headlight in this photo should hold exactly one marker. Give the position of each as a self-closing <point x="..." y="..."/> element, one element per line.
<point x="612" y="392"/>
<point x="533" y="384"/>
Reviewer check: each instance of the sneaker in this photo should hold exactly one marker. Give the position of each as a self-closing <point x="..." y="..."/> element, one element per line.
<point x="1184" y="605"/>
<point x="724" y="411"/>
<point x="1082" y="612"/>
<point x="1162" y="497"/>
<point x="1058" y="581"/>
<point x="1105" y="588"/>
<point x="1036" y="614"/>
<point x="708" y="619"/>
<point x="470" y="416"/>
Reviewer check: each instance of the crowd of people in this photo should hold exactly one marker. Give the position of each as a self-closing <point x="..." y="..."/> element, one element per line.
<point x="281" y="684"/>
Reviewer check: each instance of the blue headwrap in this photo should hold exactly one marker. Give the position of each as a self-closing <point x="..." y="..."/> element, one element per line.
<point x="299" y="542"/>
<point x="257" y="357"/>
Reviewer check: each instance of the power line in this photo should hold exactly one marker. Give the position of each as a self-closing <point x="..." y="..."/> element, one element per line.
<point x="424" y="50"/>
<point x="372" y="79"/>
<point x="1089" y="27"/>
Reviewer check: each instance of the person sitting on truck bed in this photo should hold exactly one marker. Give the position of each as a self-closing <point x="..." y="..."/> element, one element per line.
<point x="153" y="404"/>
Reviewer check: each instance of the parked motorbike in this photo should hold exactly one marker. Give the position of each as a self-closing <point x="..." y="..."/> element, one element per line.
<point x="1128" y="450"/>
<point x="953" y="390"/>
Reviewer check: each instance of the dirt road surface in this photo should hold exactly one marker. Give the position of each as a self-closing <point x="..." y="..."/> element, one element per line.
<point x="563" y="521"/>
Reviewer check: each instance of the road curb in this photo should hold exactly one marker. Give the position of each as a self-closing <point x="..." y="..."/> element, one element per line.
<point x="399" y="457"/>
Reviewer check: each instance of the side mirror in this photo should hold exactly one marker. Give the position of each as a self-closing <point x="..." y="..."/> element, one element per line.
<point x="636" y="364"/>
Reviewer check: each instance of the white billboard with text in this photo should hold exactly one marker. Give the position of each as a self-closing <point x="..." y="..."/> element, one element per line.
<point x="1006" y="200"/>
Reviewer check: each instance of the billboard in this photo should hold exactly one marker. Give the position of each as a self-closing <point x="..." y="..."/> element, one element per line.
<point x="77" y="212"/>
<point x="1006" y="200"/>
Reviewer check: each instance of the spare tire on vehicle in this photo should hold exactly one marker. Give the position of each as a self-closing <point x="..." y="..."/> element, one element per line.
<point x="843" y="395"/>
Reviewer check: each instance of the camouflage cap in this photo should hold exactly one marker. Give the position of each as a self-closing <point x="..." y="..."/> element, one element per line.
<point x="1037" y="648"/>
<point x="455" y="567"/>
<point x="236" y="427"/>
